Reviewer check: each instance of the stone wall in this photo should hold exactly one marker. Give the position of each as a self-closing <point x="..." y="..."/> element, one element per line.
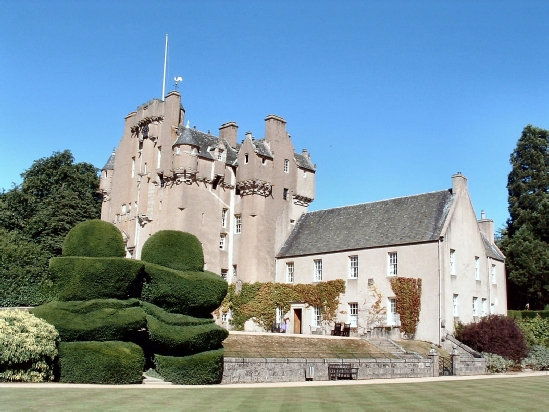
<point x="471" y="366"/>
<point x="252" y="370"/>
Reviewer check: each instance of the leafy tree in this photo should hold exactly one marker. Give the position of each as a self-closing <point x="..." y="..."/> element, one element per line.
<point x="526" y="238"/>
<point x="35" y="216"/>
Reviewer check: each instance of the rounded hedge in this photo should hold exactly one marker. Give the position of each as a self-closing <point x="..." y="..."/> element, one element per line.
<point x="174" y="249"/>
<point x="94" y="238"/>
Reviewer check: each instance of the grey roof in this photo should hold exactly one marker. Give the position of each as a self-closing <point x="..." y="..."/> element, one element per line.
<point x="304" y="162"/>
<point x="110" y="163"/>
<point x="186" y="137"/>
<point x="491" y="249"/>
<point x="232" y="154"/>
<point x="402" y="220"/>
<point x="262" y="148"/>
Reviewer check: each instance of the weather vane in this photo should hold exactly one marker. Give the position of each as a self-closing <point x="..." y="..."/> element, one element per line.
<point x="177" y="80"/>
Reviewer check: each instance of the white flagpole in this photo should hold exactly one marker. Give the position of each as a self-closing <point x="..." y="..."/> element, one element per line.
<point x="164" y="78"/>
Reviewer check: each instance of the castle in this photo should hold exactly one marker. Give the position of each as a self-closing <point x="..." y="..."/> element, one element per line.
<point x="247" y="203"/>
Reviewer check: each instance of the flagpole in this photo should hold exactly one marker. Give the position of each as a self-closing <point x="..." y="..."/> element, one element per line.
<point x="164" y="78"/>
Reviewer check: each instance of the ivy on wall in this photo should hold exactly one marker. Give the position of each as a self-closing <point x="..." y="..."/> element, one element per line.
<point x="259" y="301"/>
<point x="408" y="297"/>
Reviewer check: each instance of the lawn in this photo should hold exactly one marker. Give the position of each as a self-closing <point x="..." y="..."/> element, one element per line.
<point x="526" y="393"/>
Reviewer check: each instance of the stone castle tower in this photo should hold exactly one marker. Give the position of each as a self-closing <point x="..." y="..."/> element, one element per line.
<point x="240" y="200"/>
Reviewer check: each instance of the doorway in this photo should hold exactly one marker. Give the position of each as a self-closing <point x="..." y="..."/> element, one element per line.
<point x="297" y="321"/>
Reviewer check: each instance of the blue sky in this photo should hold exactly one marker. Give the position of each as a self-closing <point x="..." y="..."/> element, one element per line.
<point x="390" y="97"/>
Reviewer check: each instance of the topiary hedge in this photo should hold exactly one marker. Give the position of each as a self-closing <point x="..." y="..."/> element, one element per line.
<point x="190" y="293"/>
<point x="204" y="368"/>
<point x="83" y="278"/>
<point x="184" y="340"/>
<point x="28" y="347"/>
<point x="112" y="362"/>
<point x="174" y="249"/>
<point x="528" y="314"/>
<point x="173" y="318"/>
<point x="82" y="321"/>
<point x="94" y="238"/>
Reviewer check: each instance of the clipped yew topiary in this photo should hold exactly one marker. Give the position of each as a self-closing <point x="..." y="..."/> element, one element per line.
<point x="28" y="347"/>
<point x="112" y="362"/>
<point x="174" y="249"/>
<point x="94" y="238"/>
<point x="201" y="369"/>
<point x="173" y="318"/>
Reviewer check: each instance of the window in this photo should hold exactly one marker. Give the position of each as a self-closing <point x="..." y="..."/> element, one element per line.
<point x="286" y="166"/>
<point x="246" y="158"/>
<point x="159" y="157"/>
<point x="353" y="267"/>
<point x="224" y="218"/>
<point x="452" y="262"/>
<point x="318" y="270"/>
<point x="224" y="273"/>
<point x="222" y="239"/>
<point x="493" y="274"/>
<point x="178" y="150"/>
<point x="279" y="314"/>
<point x="484" y="307"/>
<point x="160" y="205"/>
<point x="353" y="314"/>
<point x="133" y="166"/>
<point x="392" y="264"/>
<point x="145" y="168"/>
<point x="371" y="282"/>
<point x="235" y="273"/>
<point x="475" y="306"/>
<point x="220" y="155"/>
<point x="238" y="224"/>
<point x="263" y="161"/>
<point x="290" y="272"/>
<point x="455" y="305"/>
<point x="123" y="209"/>
<point x="224" y="317"/>
<point x="285" y="194"/>
<point x="317" y="316"/>
<point x="304" y="174"/>
<point x="477" y="268"/>
<point x="392" y="315"/>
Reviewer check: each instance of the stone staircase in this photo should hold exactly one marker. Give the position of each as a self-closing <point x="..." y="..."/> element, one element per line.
<point x="153" y="380"/>
<point x="389" y="346"/>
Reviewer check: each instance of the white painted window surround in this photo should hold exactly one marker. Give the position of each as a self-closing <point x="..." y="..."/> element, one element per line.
<point x="318" y="270"/>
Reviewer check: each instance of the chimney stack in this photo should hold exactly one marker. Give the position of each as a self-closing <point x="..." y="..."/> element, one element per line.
<point x="229" y="132"/>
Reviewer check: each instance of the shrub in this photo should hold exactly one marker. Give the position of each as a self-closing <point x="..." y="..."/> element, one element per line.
<point x="28" y="347"/>
<point x="83" y="278"/>
<point x="112" y="362"/>
<point x="496" y="334"/>
<point x="536" y="330"/>
<point x="190" y="293"/>
<point x="538" y="358"/>
<point x="184" y="340"/>
<point x="528" y="314"/>
<point x="82" y="321"/>
<point x="173" y="318"/>
<point x="94" y="238"/>
<point x="203" y="368"/>
<point x="496" y="363"/>
<point x="174" y="249"/>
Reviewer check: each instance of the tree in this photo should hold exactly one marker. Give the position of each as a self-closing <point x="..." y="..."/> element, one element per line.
<point x="55" y="195"/>
<point x="526" y="238"/>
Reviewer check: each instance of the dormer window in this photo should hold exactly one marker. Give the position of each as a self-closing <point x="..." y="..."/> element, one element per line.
<point x="220" y="155"/>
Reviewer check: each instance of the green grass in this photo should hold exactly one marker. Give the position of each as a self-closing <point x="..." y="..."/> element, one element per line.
<point x="528" y="393"/>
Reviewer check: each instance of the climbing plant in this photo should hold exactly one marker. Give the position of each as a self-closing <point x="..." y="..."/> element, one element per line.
<point x="408" y="297"/>
<point x="259" y="301"/>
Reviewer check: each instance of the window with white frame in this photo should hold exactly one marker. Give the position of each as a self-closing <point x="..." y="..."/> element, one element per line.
<point x="290" y="272"/>
<point x="286" y="166"/>
<point x="246" y="158"/>
<point x="452" y="262"/>
<point x="279" y="314"/>
<point x="493" y="274"/>
<point x="238" y="224"/>
<point x="222" y="241"/>
<point x="455" y="305"/>
<point x="123" y="209"/>
<point x="224" y="273"/>
<point x="392" y="315"/>
<point x="318" y="270"/>
<point x="224" y="317"/>
<point x="392" y="261"/>
<point x="484" y="307"/>
<point x="159" y="157"/>
<point x="224" y="218"/>
<point x="477" y="268"/>
<point x="353" y="314"/>
<point x="475" y="306"/>
<point x="317" y="316"/>
<point x="353" y="267"/>
<point x="235" y="273"/>
<point x="220" y="155"/>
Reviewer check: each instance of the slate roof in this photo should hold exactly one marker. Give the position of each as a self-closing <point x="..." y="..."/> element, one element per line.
<point x="304" y="162"/>
<point x="186" y="138"/>
<point x="492" y="250"/>
<point x="110" y="163"/>
<point x="262" y="148"/>
<point x="402" y="220"/>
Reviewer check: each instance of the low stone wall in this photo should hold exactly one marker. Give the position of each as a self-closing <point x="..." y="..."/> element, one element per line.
<point x="252" y="370"/>
<point x="471" y="366"/>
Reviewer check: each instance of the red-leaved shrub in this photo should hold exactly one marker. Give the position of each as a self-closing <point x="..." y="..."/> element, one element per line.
<point x="496" y="334"/>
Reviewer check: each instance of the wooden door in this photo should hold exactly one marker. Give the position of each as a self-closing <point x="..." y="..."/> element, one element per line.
<point x="297" y="321"/>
